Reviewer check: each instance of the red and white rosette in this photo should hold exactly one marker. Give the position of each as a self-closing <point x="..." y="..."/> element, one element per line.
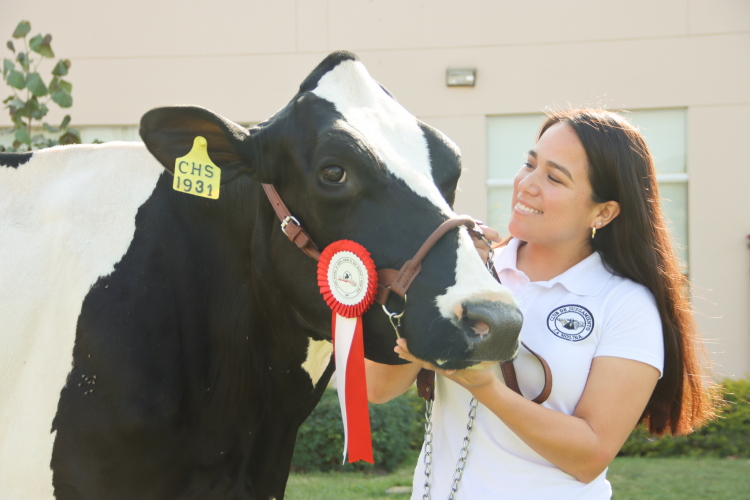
<point x="348" y="281"/>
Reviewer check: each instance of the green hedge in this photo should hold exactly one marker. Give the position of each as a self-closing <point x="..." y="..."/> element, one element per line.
<point x="397" y="427"/>
<point x="728" y="435"/>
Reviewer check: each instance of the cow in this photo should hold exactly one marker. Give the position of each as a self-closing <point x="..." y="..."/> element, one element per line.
<point x="159" y="345"/>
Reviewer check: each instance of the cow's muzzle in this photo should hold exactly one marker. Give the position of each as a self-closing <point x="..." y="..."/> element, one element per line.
<point x="491" y="330"/>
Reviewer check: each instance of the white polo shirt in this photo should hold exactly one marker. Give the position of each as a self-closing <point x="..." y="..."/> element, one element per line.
<point x="569" y="320"/>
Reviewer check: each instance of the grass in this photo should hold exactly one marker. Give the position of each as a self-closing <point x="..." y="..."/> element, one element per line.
<point x="631" y="478"/>
<point x="350" y="485"/>
<point x="680" y="478"/>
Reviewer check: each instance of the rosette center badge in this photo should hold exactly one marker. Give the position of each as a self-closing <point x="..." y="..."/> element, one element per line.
<point x="347" y="276"/>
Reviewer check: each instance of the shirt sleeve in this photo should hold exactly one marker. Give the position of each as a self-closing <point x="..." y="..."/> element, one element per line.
<point x="632" y="328"/>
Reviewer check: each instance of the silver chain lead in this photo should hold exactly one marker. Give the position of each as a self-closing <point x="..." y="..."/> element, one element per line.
<point x="469" y="425"/>
<point x="427" y="450"/>
<point x="460" y="464"/>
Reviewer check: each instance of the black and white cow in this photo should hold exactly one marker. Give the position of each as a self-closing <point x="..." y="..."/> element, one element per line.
<point x="157" y="345"/>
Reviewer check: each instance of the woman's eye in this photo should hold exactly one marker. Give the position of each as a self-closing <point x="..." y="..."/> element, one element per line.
<point x="553" y="179"/>
<point x="333" y="174"/>
<point x="528" y="165"/>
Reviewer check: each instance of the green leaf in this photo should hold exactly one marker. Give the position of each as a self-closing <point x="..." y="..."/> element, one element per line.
<point x="23" y="59"/>
<point x="70" y="137"/>
<point x="63" y="98"/>
<point x="56" y="84"/>
<point x="8" y="66"/>
<point x="16" y="103"/>
<point x="17" y="120"/>
<point x="38" y="114"/>
<point x="36" y="85"/>
<point x="11" y="46"/>
<point x="50" y="128"/>
<point x="65" y="121"/>
<point x="22" y="136"/>
<point x="22" y="30"/>
<point x="16" y="79"/>
<point x="42" y="45"/>
<point x="28" y="108"/>
<point x="35" y="42"/>
<point x="61" y="68"/>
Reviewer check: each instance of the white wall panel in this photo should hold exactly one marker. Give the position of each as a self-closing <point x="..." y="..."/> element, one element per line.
<point x="719" y="225"/>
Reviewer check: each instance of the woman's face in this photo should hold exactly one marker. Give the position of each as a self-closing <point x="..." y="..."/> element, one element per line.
<point x="552" y="202"/>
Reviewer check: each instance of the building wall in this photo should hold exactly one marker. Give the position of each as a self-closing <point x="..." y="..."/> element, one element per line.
<point x="245" y="59"/>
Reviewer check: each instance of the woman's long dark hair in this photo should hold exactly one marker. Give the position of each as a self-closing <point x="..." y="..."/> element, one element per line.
<point x="636" y="245"/>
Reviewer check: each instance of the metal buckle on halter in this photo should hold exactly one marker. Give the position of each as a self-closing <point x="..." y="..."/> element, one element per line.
<point x="287" y="220"/>
<point x="394" y="318"/>
<point x="491" y="254"/>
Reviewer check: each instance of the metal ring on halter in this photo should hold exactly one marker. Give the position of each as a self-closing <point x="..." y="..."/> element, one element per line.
<point x="395" y="319"/>
<point x="491" y="252"/>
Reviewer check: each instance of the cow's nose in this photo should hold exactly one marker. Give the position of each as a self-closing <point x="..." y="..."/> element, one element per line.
<point x="475" y="318"/>
<point x="491" y="329"/>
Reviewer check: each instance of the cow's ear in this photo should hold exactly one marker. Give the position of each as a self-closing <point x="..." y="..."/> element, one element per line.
<point x="169" y="133"/>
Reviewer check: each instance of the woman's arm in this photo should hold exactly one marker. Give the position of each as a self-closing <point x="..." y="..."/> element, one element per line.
<point x="385" y="382"/>
<point x="582" y="444"/>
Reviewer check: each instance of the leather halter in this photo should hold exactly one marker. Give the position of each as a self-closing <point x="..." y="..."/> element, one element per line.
<point x="289" y="225"/>
<point x="391" y="280"/>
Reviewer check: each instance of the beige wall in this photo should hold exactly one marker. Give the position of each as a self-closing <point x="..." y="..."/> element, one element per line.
<point x="245" y="59"/>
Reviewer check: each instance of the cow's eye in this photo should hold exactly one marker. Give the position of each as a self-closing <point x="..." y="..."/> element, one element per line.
<point x="333" y="174"/>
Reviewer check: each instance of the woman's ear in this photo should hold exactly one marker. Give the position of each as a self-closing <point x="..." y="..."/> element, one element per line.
<point x="169" y="133"/>
<point x="607" y="212"/>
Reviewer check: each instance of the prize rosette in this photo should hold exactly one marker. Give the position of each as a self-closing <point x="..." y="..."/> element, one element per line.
<point x="348" y="281"/>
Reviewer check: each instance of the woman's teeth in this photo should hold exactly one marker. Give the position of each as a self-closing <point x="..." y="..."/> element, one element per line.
<point x="524" y="208"/>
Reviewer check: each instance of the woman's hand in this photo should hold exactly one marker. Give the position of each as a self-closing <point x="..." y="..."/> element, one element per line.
<point x="471" y="379"/>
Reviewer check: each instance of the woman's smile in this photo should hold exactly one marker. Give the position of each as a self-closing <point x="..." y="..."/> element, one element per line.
<point x="526" y="209"/>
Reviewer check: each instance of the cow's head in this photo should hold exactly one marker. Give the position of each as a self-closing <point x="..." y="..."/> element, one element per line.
<point x="351" y="163"/>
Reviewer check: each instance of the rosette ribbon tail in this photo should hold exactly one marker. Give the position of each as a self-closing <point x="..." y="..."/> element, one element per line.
<point x="348" y="281"/>
<point x="352" y="388"/>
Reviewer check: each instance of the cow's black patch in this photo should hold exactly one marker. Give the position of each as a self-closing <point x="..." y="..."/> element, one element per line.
<point x="14" y="160"/>
<point x="445" y="162"/>
<point x="187" y="378"/>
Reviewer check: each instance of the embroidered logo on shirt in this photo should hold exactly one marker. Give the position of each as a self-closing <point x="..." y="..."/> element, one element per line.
<point x="571" y="322"/>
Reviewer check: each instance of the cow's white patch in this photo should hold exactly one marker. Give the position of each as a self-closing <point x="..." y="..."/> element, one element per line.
<point x="318" y="357"/>
<point x="66" y="218"/>
<point x="400" y="144"/>
<point x="473" y="282"/>
<point x="391" y="131"/>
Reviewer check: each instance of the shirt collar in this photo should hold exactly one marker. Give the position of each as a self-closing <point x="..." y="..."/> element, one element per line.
<point x="588" y="277"/>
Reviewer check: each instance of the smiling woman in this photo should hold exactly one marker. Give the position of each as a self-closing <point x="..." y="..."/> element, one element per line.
<point x="590" y="262"/>
<point x="552" y="202"/>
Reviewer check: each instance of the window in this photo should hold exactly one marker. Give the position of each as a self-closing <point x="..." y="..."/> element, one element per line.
<point x="509" y="137"/>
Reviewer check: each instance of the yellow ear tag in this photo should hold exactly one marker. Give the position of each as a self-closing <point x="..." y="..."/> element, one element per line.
<point x="195" y="173"/>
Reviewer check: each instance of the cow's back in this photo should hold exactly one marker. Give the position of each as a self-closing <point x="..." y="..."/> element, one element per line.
<point x="67" y="216"/>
